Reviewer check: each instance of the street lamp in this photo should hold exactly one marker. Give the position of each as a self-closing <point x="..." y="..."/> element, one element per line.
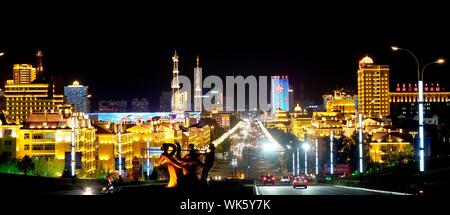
<point x="306" y="148"/>
<point x="72" y="147"/>
<point x="360" y="143"/>
<point x="298" y="160"/>
<point x="2" y="53"/>
<point x="119" y="133"/>
<point x="317" y="157"/>
<point x="420" y="101"/>
<point x="331" y="153"/>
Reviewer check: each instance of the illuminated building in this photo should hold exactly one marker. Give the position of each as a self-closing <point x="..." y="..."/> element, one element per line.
<point x="323" y="122"/>
<point x="23" y="73"/>
<point x="373" y="88"/>
<point x="2" y="100"/>
<point x="280" y="93"/>
<point x="223" y="119"/>
<point x="300" y="121"/>
<point x="199" y="135"/>
<point x="8" y="137"/>
<point x="112" y="106"/>
<point x="108" y="146"/>
<point x="139" y="105"/>
<point x="77" y="95"/>
<point x="279" y="119"/>
<point x="48" y="135"/>
<point x="198" y="107"/>
<point x="37" y="96"/>
<point x="389" y="147"/>
<point x="404" y="101"/>
<point x="340" y="102"/>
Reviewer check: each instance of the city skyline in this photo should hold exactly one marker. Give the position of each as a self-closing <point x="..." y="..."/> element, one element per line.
<point x="318" y="55"/>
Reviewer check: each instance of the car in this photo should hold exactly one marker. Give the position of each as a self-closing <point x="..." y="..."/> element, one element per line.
<point x="269" y="179"/>
<point x="285" y="179"/>
<point x="300" y="181"/>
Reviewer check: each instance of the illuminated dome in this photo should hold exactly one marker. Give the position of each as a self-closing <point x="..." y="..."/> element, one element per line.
<point x="366" y="60"/>
<point x="297" y="108"/>
<point x="76" y="83"/>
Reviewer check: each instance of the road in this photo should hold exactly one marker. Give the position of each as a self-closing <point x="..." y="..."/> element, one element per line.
<point x="313" y="190"/>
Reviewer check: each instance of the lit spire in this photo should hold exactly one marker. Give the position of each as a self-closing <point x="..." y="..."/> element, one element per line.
<point x="40" y="66"/>
<point x="198" y="61"/>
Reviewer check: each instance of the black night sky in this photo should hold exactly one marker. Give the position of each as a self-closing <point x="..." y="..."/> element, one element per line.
<point x="125" y="51"/>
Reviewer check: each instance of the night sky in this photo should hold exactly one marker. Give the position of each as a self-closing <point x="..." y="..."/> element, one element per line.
<point x="125" y="51"/>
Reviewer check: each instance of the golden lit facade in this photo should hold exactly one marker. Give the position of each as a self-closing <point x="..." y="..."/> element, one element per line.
<point x="49" y="136"/>
<point x="23" y="73"/>
<point x="323" y="122"/>
<point x="108" y="146"/>
<point x="300" y="122"/>
<point x="199" y="136"/>
<point x="23" y="99"/>
<point x="373" y="88"/>
<point x="387" y="148"/>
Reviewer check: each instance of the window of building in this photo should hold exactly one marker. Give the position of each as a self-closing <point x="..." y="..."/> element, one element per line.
<point x="49" y="147"/>
<point x="38" y="136"/>
<point x="26" y="136"/>
<point x="8" y="143"/>
<point x="38" y="147"/>
<point x="26" y="147"/>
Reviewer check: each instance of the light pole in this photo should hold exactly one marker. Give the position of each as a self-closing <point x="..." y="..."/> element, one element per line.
<point x="360" y="143"/>
<point x="306" y="148"/>
<point x="331" y="153"/>
<point x="293" y="163"/>
<point x="420" y="101"/>
<point x="298" y="160"/>
<point x="317" y="157"/>
<point x="72" y="147"/>
<point x="119" y="133"/>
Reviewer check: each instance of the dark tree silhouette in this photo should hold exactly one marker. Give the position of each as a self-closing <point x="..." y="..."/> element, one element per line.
<point x="26" y="164"/>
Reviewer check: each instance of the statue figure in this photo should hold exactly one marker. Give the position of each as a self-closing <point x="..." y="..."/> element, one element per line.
<point x="172" y="163"/>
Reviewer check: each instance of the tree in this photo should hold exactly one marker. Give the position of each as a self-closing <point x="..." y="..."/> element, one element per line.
<point x="26" y="165"/>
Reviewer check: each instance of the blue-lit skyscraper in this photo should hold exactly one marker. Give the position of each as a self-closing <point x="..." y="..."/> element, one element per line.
<point x="78" y="95"/>
<point x="280" y="93"/>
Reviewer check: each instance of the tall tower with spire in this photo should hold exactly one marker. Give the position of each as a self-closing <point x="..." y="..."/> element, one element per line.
<point x="40" y="65"/>
<point x="198" y="87"/>
<point x="176" y="102"/>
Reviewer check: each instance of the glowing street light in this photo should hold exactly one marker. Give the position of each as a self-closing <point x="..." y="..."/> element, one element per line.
<point x="2" y="53"/>
<point x="306" y="148"/>
<point x="317" y="157"/>
<point x="72" y="146"/>
<point x="420" y="101"/>
<point x="331" y="153"/>
<point x="119" y="133"/>
<point x="360" y="143"/>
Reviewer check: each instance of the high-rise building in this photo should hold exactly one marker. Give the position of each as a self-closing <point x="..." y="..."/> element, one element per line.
<point x="112" y="106"/>
<point x="37" y="96"/>
<point x="198" y="87"/>
<point x="280" y="93"/>
<point x="176" y="97"/>
<point x="291" y="99"/>
<point x="373" y="88"/>
<point x="165" y="102"/>
<point x="23" y="73"/>
<point x="2" y="100"/>
<point x="77" y="95"/>
<point x="140" y="105"/>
